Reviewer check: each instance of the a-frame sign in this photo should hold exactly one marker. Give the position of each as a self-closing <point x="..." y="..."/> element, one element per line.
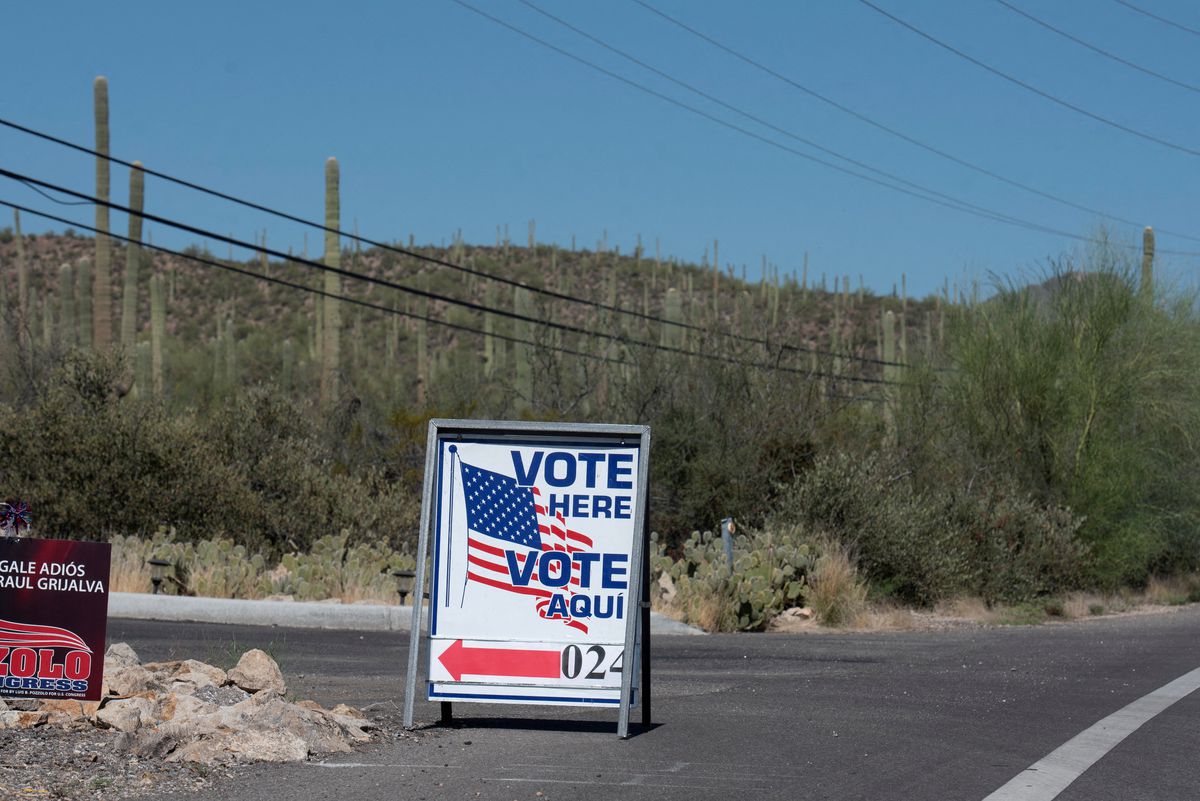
<point x="536" y="537"/>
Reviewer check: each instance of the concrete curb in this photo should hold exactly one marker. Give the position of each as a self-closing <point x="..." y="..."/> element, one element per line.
<point x="295" y="614"/>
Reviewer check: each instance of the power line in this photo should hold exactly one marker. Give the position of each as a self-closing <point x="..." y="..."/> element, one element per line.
<point x="376" y="306"/>
<point x="319" y="226"/>
<point x="790" y="134"/>
<point x="565" y="327"/>
<point x="1030" y="87"/>
<point x="402" y="251"/>
<point x="54" y="199"/>
<point x="999" y="217"/>
<point x="303" y="287"/>
<point x="755" y="118"/>
<point x="1095" y="49"/>
<point x="893" y="131"/>
<point x="25" y="179"/>
<point x="1164" y="20"/>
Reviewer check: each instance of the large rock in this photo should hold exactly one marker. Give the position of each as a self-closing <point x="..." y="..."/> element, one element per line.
<point x="17" y="719"/>
<point x="244" y="746"/>
<point x="186" y="676"/>
<point x="256" y="671"/>
<point x="187" y="710"/>
<point x="61" y="712"/>
<point x="129" y="714"/>
<point x="120" y="654"/>
<point x="353" y="722"/>
<point x="124" y="680"/>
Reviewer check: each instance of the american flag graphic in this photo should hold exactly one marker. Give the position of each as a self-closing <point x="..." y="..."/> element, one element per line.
<point x="503" y="516"/>
<point x="25" y="635"/>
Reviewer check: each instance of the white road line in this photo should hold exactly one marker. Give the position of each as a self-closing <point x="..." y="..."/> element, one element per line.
<point x="1049" y="776"/>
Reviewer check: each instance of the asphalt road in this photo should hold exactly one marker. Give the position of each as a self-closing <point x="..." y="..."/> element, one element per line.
<point x="921" y="715"/>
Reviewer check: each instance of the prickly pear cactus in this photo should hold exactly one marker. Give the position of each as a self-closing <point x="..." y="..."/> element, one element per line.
<point x="768" y="575"/>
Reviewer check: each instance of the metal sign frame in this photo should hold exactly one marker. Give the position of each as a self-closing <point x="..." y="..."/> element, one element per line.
<point x="637" y="626"/>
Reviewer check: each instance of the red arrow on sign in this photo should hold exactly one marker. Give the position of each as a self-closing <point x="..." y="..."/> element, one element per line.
<point x="458" y="659"/>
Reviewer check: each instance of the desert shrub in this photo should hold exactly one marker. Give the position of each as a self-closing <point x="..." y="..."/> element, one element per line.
<point x="1021" y="549"/>
<point x="725" y="436"/>
<point x="922" y="545"/>
<point x="93" y="464"/>
<point x="334" y="567"/>
<point x="769" y="574"/>
<point x="903" y="539"/>
<point x="1083" y="391"/>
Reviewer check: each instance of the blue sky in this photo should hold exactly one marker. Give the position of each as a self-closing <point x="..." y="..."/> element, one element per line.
<point x="442" y="120"/>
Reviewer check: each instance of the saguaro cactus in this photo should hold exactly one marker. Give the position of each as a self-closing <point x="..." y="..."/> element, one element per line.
<point x="331" y="347"/>
<point x="102" y="286"/>
<point x="158" y="331"/>
<point x="288" y="367"/>
<point x="523" y="305"/>
<point x="83" y="303"/>
<point x="672" y="335"/>
<point x="489" y="330"/>
<point x="229" y="355"/>
<point x="716" y="276"/>
<point x="889" y="371"/>
<point x="47" y="322"/>
<point x="22" y="266"/>
<point x="133" y="258"/>
<point x="1148" y="262"/>
<point x="66" y="314"/>
<point x="422" y="345"/>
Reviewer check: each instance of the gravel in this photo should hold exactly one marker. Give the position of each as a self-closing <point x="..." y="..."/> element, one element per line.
<point x="84" y="762"/>
<point x="55" y="762"/>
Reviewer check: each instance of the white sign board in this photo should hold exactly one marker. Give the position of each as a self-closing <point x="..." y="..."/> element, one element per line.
<point x="536" y="533"/>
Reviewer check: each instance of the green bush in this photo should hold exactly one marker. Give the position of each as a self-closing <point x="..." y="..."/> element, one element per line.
<point x="93" y="464"/>
<point x="924" y="545"/>
<point x="903" y="539"/>
<point x="1085" y="392"/>
<point x="1022" y="549"/>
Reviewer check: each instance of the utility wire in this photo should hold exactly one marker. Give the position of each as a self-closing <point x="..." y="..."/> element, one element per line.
<point x="54" y="199"/>
<point x="405" y="252"/>
<point x="295" y="285"/>
<point x="256" y="248"/>
<point x="312" y="224"/>
<point x="26" y="179"/>
<point x="895" y="132"/>
<point x="364" y="303"/>
<point x="1095" y="49"/>
<point x="1028" y="86"/>
<point x="754" y="118"/>
<point x="1164" y="20"/>
<point x="997" y="216"/>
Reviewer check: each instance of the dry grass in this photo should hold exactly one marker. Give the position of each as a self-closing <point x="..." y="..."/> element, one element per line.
<point x="968" y="608"/>
<point x="1169" y="591"/>
<point x="706" y="611"/>
<point x="129" y="571"/>
<point x="888" y="618"/>
<point x="218" y="569"/>
<point x="837" y="595"/>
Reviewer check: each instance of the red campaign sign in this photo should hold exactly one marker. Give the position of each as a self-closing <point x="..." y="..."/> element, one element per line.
<point x="53" y="618"/>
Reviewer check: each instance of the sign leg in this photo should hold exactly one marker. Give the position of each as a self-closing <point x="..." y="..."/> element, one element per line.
<point x="447" y="713"/>
<point x="423" y="536"/>
<point x="645" y="610"/>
